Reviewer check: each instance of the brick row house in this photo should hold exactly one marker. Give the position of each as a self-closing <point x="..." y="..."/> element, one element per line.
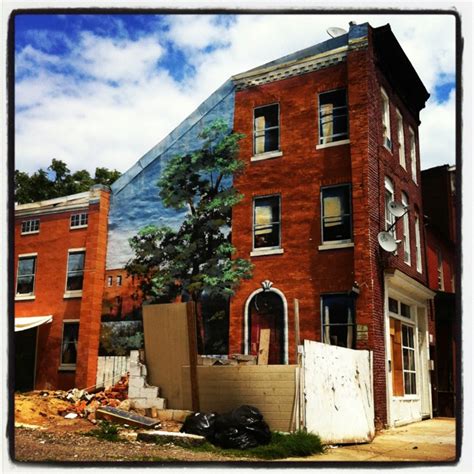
<point x="439" y="205"/>
<point x="60" y="249"/>
<point x="331" y="140"/>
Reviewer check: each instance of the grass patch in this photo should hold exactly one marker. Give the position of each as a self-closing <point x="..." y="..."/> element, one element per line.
<point x="106" y="431"/>
<point x="298" y="444"/>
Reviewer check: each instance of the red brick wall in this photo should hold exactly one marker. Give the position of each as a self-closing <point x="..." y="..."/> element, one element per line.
<point x="434" y="243"/>
<point x="303" y="271"/>
<point x="52" y="244"/>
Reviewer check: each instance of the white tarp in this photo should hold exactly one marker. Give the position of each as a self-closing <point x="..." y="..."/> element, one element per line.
<point x="22" y="324"/>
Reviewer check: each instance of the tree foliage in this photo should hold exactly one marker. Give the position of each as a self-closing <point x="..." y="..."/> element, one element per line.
<point x="58" y="181"/>
<point x="196" y="257"/>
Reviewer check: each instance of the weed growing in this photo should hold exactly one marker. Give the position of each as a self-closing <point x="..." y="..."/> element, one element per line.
<point x="106" y="431"/>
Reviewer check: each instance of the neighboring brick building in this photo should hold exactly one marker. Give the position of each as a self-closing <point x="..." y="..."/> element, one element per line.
<point x="439" y="204"/>
<point x="60" y="249"/>
<point x="331" y="138"/>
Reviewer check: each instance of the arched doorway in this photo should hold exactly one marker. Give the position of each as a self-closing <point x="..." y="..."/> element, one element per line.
<point x="267" y="309"/>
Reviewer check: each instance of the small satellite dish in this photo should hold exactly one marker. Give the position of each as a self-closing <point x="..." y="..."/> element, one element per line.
<point x="396" y="208"/>
<point x="387" y="242"/>
<point x="335" y="31"/>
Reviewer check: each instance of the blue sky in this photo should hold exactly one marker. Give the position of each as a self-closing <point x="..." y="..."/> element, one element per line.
<point x="101" y="90"/>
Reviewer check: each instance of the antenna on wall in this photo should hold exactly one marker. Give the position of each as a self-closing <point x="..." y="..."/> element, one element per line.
<point x="386" y="239"/>
<point x="335" y="31"/>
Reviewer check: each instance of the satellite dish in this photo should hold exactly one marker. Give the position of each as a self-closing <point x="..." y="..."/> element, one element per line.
<point x="396" y="208"/>
<point x="387" y="241"/>
<point x="335" y="31"/>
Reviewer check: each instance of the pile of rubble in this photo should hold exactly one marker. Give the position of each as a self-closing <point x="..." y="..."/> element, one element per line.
<point x="85" y="404"/>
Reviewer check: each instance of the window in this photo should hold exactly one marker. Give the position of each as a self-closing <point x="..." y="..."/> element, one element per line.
<point x="413" y="155"/>
<point x="418" y="244"/>
<point x="386" y="121"/>
<point x="109" y="281"/>
<point x="389" y="197"/>
<point x="25" y="282"/>
<point x="266" y="129"/>
<point x="333" y="117"/>
<point x="406" y="233"/>
<point x="440" y="271"/>
<point x="402" y="346"/>
<point x="336" y="214"/>
<point x="119" y="280"/>
<point x="266" y="222"/>
<point x="401" y="140"/>
<point x="408" y="349"/>
<point x="338" y="320"/>
<point x="30" y="227"/>
<point x="69" y="344"/>
<point x="75" y="270"/>
<point x="79" y="220"/>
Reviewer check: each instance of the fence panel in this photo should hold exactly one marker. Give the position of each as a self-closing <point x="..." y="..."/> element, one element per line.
<point x="339" y="393"/>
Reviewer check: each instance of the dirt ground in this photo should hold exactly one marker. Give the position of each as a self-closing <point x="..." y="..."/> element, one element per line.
<point x="42" y="434"/>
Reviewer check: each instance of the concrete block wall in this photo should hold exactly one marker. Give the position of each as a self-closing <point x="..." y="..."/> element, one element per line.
<point x="140" y="394"/>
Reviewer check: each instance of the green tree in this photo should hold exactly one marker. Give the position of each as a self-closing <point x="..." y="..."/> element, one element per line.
<point x="197" y="256"/>
<point x="57" y="181"/>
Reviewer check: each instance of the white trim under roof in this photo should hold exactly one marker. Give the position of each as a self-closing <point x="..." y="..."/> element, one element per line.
<point x="29" y="322"/>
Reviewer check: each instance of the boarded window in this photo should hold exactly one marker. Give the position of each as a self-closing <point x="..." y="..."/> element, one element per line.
<point x="266" y="129"/>
<point x="267" y="222"/>
<point x="336" y="214"/>
<point x="333" y="117"/>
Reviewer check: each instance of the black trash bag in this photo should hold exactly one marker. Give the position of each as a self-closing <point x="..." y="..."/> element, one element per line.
<point x="200" y="424"/>
<point x="241" y="428"/>
<point x="234" y="437"/>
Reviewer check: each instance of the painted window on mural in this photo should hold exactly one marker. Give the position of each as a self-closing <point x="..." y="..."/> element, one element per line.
<point x="75" y="270"/>
<point x="336" y="214"/>
<point x="79" y="220"/>
<point x="25" y="283"/>
<point x="266" y="223"/>
<point x="338" y="320"/>
<point x="30" y="227"/>
<point x="266" y="129"/>
<point x="69" y="344"/>
<point x="119" y="280"/>
<point x="333" y="117"/>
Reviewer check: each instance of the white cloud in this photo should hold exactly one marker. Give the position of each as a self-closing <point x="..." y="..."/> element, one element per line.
<point x="98" y="123"/>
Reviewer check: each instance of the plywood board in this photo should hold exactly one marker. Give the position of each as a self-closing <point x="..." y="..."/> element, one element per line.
<point x="263" y="347"/>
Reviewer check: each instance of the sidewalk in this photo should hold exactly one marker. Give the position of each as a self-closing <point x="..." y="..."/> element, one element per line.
<point x="430" y="440"/>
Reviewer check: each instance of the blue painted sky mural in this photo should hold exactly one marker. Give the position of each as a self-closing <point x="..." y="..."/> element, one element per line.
<point x="103" y="89"/>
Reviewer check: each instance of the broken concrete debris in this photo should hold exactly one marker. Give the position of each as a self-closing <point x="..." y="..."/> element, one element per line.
<point x="115" y="415"/>
<point x="164" y="437"/>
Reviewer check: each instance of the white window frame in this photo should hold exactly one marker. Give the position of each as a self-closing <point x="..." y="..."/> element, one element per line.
<point x="63" y="366"/>
<point x="419" y="267"/>
<point x="26" y="296"/>
<point x="30" y="223"/>
<point x="321" y="142"/>
<point x="336" y="243"/>
<point x="74" y="293"/>
<point x="386" y="132"/>
<point x="406" y="232"/>
<point x="271" y="153"/>
<point x="273" y="250"/>
<point x="82" y="216"/>
<point x="389" y="217"/>
<point x="118" y="280"/>
<point x="401" y="140"/>
<point x="110" y="280"/>
<point x="413" y="157"/>
<point x="412" y="328"/>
